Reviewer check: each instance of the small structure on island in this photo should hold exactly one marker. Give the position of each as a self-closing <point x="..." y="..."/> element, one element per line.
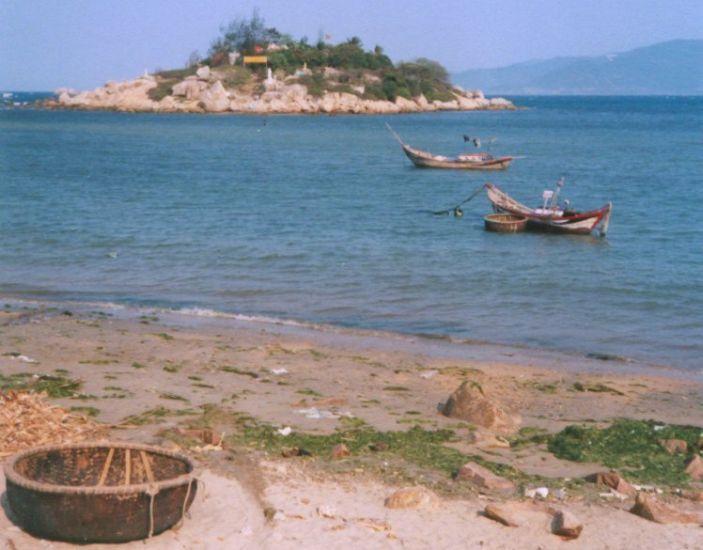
<point x="232" y="57"/>
<point x="255" y="60"/>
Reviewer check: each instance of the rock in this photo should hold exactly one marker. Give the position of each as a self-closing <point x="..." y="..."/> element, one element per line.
<point x="190" y="89"/>
<point x="675" y="446"/>
<point x="565" y="524"/>
<point x="203" y="73"/>
<point x="326" y="511"/>
<point x="340" y="451"/>
<point x="215" y="99"/>
<point x="295" y="451"/>
<point x="502" y="514"/>
<point x="484" y="478"/>
<point x="649" y="508"/>
<point x="452" y="105"/>
<point x="614" y="481"/>
<point x="423" y="104"/>
<point x="695" y="496"/>
<point x="412" y="497"/>
<point x="468" y="103"/>
<point x="500" y="103"/>
<point x="695" y="468"/>
<point x="469" y="403"/>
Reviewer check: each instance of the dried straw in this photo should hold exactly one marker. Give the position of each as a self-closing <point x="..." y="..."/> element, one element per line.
<point x="28" y="420"/>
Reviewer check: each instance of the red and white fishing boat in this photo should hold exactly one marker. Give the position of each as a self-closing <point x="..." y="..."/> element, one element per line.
<point x="551" y="216"/>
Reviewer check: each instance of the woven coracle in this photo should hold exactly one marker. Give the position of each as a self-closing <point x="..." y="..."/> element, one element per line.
<point x="99" y="492"/>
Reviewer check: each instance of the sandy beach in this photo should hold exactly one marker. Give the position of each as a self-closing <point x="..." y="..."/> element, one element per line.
<point x="158" y="382"/>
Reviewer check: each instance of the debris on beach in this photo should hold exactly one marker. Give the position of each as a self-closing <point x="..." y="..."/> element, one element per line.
<point x="279" y="371"/>
<point x="26" y="359"/>
<point x="539" y="492"/>
<point x="28" y="420"/>
<point x="318" y="414"/>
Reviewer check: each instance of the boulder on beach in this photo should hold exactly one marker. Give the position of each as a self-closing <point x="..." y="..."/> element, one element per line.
<point x="650" y="508"/>
<point x="469" y="402"/>
<point x="483" y="478"/>
<point x="613" y="480"/>
<point x="675" y="446"/>
<point x="502" y="513"/>
<point x="412" y="497"/>
<point x="565" y="524"/>
<point x="694" y="468"/>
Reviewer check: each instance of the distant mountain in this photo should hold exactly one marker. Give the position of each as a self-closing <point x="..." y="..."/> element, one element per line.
<point x="673" y="68"/>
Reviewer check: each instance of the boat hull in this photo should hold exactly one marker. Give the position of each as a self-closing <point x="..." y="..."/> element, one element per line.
<point x="422" y="159"/>
<point x="579" y="223"/>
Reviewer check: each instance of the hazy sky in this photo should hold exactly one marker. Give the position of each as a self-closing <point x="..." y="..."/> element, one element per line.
<point x="45" y="44"/>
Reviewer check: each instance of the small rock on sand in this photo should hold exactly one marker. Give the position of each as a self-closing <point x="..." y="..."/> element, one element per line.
<point x="502" y="513"/>
<point x="412" y="497"/>
<point x="613" y="480"/>
<point x="340" y="451"/>
<point x="695" y="468"/>
<point x="649" y="508"/>
<point x="675" y="446"/>
<point x="565" y="524"/>
<point x="484" y="478"/>
<point x="696" y="496"/>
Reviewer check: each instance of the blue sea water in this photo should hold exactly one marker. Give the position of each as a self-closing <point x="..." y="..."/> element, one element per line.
<point x="323" y="219"/>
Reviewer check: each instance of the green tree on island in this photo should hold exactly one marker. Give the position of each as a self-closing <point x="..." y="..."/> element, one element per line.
<point x="355" y="68"/>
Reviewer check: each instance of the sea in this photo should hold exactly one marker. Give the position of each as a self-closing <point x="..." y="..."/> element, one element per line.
<point x="322" y="221"/>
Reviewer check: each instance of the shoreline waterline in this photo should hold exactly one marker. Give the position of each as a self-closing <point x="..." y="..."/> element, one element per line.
<point x="430" y="345"/>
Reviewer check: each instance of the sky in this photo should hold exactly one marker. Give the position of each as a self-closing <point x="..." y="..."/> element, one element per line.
<point x="81" y="44"/>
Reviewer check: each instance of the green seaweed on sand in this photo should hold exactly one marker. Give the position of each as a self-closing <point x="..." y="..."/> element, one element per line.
<point x="156" y="415"/>
<point x="631" y="446"/>
<point x="395" y="388"/>
<point x="172" y="367"/>
<point x="163" y="336"/>
<point x="173" y="396"/>
<point x="308" y="391"/>
<point x="242" y="372"/>
<point x="529" y="435"/>
<point x="55" y="386"/>
<point x="86" y="411"/>
<point x="136" y="365"/>
<point x="596" y="388"/>
<point x="416" y="447"/>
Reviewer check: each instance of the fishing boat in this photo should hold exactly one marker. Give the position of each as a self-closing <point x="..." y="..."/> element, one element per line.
<point x="465" y="161"/>
<point x="551" y="216"/>
<point x="468" y="161"/>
